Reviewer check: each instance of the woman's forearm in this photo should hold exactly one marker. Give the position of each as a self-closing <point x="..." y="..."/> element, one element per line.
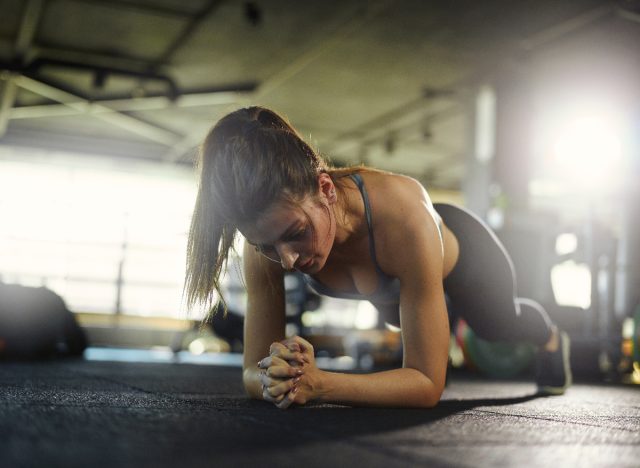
<point x="403" y="387"/>
<point x="251" y="381"/>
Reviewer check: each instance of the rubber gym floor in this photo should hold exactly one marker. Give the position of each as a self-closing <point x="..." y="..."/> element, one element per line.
<point x="79" y="413"/>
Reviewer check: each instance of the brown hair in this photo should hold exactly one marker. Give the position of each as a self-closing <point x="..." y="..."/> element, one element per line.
<point x="250" y="159"/>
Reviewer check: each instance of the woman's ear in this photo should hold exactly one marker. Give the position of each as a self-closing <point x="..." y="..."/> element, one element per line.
<point x="327" y="187"/>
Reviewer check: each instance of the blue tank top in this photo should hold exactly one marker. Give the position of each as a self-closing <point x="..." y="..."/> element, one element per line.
<point x="388" y="290"/>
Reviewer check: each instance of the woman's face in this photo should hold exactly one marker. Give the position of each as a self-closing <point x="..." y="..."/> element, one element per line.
<point x="299" y="236"/>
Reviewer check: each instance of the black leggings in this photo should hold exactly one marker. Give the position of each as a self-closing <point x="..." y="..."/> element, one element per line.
<point x="481" y="289"/>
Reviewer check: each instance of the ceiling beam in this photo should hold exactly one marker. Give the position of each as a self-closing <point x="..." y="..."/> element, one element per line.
<point x="628" y="15"/>
<point x="141" y="104"/>
<point x="8" y="91"/>
<point x="24" y="40"/>
<point x="380" y="129"/>
<point x="26" y="33"/>
<point x="104" y="58"/>
<point x="187" y="32"/>
<point x="124" y="121"/>
<point x="564" y="28"/>
<point x="347" y="24"/>
<point x="149" y="9"/>
<point x="353" y="20"/>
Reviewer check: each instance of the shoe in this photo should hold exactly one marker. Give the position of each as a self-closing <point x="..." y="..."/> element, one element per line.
<point x="553" y="369"/>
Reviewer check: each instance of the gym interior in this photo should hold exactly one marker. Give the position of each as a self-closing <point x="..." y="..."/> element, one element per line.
<point x="526" y="113"/>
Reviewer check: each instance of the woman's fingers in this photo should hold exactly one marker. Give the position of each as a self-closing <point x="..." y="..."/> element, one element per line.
<point x="285" y="355"/>
<point x="299" y="346"/>
<point x="277" y="367"/>
<point x="275" y="389"/>
<point x="300" y="343"/>
<point x="267" y="380"/>
<point x="290" y="354"/>
<point x="292" y="347"/>
<point x="275" y="347"/>
<point x="266" y="396"/>
<point x="284" y="352"/>
<point x="270" y="361"/>
<point x="282" y="370"/>
<point x="288" y="400"/>
<point x="277" y="377"/>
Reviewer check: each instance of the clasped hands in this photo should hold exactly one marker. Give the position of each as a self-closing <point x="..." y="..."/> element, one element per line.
<point x="289" y="374"/>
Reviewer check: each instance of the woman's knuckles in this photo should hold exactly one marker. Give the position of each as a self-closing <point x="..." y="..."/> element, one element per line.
<point x="276" y="348"/>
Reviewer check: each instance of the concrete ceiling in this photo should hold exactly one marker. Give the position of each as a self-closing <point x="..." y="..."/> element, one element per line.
<point x="383" y="82"/>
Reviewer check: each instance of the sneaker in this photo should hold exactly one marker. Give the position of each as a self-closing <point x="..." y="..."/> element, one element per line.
<point x="553" y="370"/>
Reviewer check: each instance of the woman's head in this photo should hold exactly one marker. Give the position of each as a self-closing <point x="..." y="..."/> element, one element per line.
<point x="253" y="157"/>
<point x="251" y="160"/>
<point x="298" y="235"/>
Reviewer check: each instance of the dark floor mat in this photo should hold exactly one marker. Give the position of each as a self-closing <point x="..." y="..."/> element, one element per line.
<point x="122" y="414"/>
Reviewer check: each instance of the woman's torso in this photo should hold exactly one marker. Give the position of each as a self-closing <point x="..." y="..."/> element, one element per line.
<point x="355" y="270"/>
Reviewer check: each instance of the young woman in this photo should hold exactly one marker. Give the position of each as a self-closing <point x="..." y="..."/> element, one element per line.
<point x="354" y="233"/>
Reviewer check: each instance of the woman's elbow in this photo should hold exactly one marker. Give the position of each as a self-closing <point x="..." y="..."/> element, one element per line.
<point x="431" y="397"/>
<point x="431" y="401"/>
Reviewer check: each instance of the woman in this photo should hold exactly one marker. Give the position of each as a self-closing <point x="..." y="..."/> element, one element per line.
<point x="357" y="233"/>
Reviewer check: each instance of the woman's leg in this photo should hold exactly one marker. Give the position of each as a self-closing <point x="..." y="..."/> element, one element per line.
<point x="482" y="287"/>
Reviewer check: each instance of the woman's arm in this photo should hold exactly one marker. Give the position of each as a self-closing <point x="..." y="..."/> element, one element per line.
<point x="415" y="255"/>
<point x="265" y="318"/>
<point x="405" y="387"/>
<point x="425" y="335"/>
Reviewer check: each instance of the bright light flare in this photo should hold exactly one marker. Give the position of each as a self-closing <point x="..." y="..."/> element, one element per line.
<point x="584" y="145"/>
<point x="590" y="148"/>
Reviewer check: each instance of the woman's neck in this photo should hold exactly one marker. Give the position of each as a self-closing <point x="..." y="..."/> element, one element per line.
<point x="350" y="221"/>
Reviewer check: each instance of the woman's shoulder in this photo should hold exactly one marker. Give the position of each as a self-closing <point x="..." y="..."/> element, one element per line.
<point x="391" y="195"/>
<point x="390" y="188"/>
<point x="403" y="218"/>
<point x="399" y="200"/>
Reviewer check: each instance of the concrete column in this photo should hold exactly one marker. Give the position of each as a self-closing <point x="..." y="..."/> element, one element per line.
<point x="479" y="161"/>
<point x="513" y="159"/>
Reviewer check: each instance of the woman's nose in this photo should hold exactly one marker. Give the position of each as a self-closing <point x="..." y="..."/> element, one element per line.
<point x="288" y="257"/>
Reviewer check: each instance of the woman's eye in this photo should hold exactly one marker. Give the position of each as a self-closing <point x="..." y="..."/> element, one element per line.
<point x="299" y="234"/>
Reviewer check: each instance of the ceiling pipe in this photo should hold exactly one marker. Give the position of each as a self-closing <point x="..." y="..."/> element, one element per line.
<point x="35" y="67"/>
<point x="124" y="121"/>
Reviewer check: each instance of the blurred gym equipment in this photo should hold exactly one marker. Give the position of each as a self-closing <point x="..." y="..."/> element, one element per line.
<point x="36" y="324"/>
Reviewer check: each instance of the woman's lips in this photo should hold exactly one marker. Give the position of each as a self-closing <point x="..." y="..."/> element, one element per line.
<point x="305" y="265"/>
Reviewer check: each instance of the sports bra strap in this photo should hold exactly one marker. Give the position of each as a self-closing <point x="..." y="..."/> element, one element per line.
<point x="357" y="178"/>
